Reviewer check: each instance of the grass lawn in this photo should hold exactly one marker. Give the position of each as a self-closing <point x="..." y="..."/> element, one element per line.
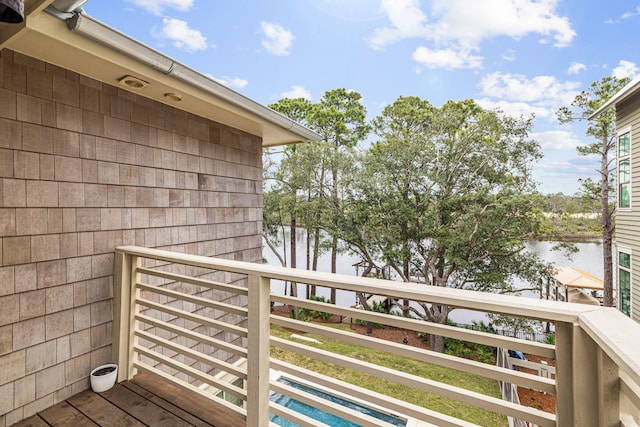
<point x="428" y="400"/>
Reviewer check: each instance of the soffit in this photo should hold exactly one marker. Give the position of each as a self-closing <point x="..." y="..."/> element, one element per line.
<point x="46" y="37"/>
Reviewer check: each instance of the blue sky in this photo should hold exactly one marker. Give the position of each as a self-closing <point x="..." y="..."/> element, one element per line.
<point x="522" y="56"/>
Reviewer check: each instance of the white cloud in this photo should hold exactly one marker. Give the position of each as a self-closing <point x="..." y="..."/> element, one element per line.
<point x="624" y="16"/>
<point x="157" y="6"/>
<point x="407" y="20"/>
<point x="554" y="140"/>
<point x="576" y="67"/>
<point x="182" y="36"/>
<point x="515" y="109"/>
<point x="277" y="40"/>
<point x="234" y="82"/>
<point x="446" y="58"/>
<point x="517" y="87"/>
<point x="295" y="92"/>
<point x="626" y="69"/>
<point x="462" y="25"/>
<point x="516" y="94"/>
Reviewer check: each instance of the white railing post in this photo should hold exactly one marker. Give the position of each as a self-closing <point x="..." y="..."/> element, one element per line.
<point x="577" y="378"/>
<point x="585" y="379"/>
<point x="124" y="296"/>
<point x="564" y="374"/>
<point x="258" y="351"/>
<point x="608" y="391"/>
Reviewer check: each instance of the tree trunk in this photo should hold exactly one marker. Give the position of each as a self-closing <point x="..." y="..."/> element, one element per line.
<point x="607" y="228"/>
<point x="316" y="255"/>
<point x="308" y="230"/>
<point x="405" y="270"/>
<point x="294" y="285"/>
<point x="334" y="263"/>
<point x="437" y="343"/>
<point x="439" y="315"/>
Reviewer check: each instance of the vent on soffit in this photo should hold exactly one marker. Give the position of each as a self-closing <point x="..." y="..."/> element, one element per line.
<point x="132" y="82"/>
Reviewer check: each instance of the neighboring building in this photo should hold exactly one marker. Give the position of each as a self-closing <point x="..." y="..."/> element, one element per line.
<point x="627" y="238"/>
<point x="106" y="142"/>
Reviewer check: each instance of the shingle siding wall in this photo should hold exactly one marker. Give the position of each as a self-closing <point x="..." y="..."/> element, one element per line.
<point x="628" y="221"/>
<point x="85" y="167"/>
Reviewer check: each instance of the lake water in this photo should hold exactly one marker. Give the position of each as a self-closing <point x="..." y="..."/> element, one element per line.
<point x="587" y="258"/>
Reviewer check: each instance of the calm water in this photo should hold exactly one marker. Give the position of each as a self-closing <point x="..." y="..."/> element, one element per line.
<point x="588" y="258"/>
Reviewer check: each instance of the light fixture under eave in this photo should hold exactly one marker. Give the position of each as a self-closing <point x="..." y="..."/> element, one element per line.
<point x="12" y="11"/>
<point x="132" y="82"/>
<point x="171" y="96"/>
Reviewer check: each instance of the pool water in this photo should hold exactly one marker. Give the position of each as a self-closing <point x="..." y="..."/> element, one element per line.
<point x="320" y="415"/>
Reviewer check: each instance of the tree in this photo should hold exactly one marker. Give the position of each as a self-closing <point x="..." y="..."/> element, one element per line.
<point x="340" y="118"/>
<point x="603" y="130"/>
<point x="450" y="192"/>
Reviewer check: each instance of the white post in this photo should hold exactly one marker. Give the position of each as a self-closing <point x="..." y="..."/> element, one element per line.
<point x="564" y="374"/>
<point x="585" y="379"/>
<point x="124" y="293"/>
<point x="608" y="391"/>
<point x="258" y="351"/>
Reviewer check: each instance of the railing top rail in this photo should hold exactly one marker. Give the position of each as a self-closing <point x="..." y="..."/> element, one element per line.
<point x="554" y="311"/>
<point x="613" y="332"/>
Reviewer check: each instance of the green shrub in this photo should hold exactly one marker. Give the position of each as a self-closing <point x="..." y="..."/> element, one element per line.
<point x="470" y="350"/>
<point x="307" y="315"/>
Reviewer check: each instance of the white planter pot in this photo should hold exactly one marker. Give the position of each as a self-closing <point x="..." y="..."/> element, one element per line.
<point x="101" y="381"/>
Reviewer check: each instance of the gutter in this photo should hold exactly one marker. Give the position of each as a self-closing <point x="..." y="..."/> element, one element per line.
<point x="622" y="94"/>
<point x="93" y="29"/>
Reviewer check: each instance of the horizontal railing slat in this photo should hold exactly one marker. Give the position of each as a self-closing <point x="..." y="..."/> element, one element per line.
<point x="196" y="336"/>
<point x="178" y="348"/>
<point x="327" y="406"/>
<point x="489" y="403"/>
<point x="399" y="406"/>
<point x="492" y="340"/>
<point x="294" y="416"/>
<point x="190" y="371"/>
<point x="482" y="369"/>
<point x="193" y="299"/>
<point x="242" y="332"/>
<point x="193" y="390"/>
<point x="194" y="281"/>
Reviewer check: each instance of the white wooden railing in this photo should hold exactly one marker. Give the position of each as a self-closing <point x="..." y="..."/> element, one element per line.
<point x="198" y="321"/>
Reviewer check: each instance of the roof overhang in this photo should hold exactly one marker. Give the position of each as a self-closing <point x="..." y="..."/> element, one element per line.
<point x="576" y="278"/>
<point x="626" y="92"/>
<point x="91" y="48"/>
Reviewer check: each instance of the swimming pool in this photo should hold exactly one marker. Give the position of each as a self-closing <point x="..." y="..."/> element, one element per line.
<point x="320" y="415"/>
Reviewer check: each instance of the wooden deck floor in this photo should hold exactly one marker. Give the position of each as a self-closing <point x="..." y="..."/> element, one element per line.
<point x="143" y="401"/>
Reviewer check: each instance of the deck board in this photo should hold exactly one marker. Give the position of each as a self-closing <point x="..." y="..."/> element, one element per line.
<point x="143" y="401"/>
<point x="168" y="406"/>
<point x="101" y="411"/>
<point x="65" y="414"/>
<point x="204" y="410"/>
<point x="33" y="421"/>
<point x="142" y="409"/>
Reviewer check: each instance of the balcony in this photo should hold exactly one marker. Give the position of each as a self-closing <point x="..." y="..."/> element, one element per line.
<point x="204" y="325"/>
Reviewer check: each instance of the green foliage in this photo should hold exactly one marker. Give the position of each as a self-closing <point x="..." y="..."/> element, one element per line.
<point x="307" y="181"/>
<point x="550" y="339"/>
<point x="469" y="350"/>
<point x="307" y="315"/>
<point x="512" y="326"/>
<point x="447" y="197"/>
<point x="376" y="307"/>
